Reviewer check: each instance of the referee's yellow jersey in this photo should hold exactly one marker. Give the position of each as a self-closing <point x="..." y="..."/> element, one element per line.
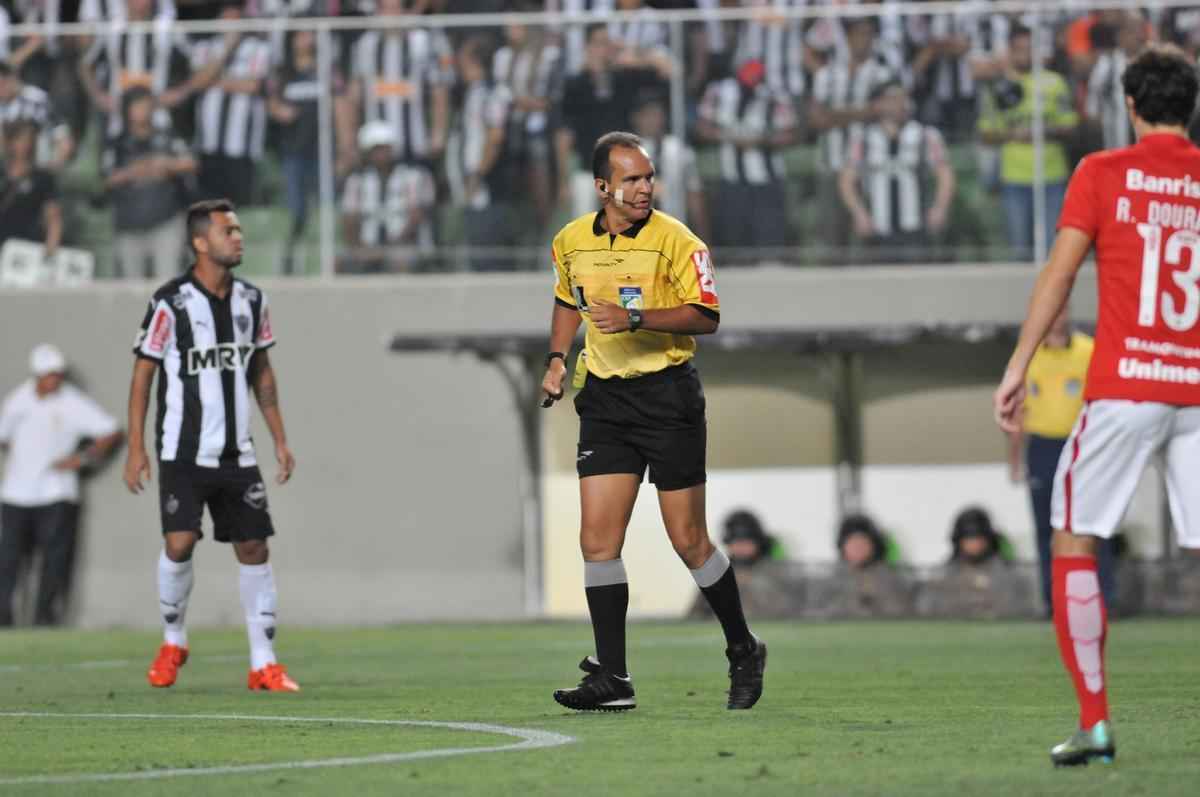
<point x="1054" y="387"/>
<point x="656" y="264"/>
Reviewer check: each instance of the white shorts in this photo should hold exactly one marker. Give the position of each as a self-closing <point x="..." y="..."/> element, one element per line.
<point x="1105" y="456"/>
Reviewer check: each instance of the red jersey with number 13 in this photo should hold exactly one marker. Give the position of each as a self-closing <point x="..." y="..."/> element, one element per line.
<point x="1141" y="207"/>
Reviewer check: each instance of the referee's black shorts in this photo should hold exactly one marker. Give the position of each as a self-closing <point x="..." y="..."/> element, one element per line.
<point x="655" y="421"/>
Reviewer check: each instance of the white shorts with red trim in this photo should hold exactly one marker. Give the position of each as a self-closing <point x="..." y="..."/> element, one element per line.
<point x="1104" y="458"/>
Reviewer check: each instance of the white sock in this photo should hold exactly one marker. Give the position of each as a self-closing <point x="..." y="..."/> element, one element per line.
<point x="174" y="587"/>
<point x="257" y="584"/>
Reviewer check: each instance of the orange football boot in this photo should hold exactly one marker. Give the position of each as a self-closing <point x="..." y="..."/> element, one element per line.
<point x="165" y="668"/>
<point x="272" y="678"/>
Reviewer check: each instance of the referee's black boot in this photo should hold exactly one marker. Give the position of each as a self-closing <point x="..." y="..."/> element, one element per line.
<point x="598" y="691"/>
<point x="747" y="662"/>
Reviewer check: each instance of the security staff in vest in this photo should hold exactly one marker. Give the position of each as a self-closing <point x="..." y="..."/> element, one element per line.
<point x="643" y="283"/>
<point x="1053" y="399"/>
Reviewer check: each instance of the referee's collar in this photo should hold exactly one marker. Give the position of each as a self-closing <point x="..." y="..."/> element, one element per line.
<point x="631" y="232"/>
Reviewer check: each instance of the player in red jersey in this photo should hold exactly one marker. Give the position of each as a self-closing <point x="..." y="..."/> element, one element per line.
<point x="1140" y="207"/>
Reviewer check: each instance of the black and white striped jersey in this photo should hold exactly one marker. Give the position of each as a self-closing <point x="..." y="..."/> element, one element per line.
<point x="778" y="42"/>
<point x="485" y="107"/>
<point x="396" y="71"/>
<point x="951" y="78"/>
<point x="5" y="35"/>
<point x="204" y="345"/>
<point x="388" y="204"/>
<point x="897" y="35"/>
<point x="840" y="85"/>
<point x="643" y="32"/>
<point x="124" y="59"/>
<point x="894" y="172"/>
<point x="535" y="72"/>
<point x="32" y="104"/>
<point x="756" y="113"/>
<point x="228" y="123"/>
<point x="574" y="35"/>
<point x="1106" y="99"/>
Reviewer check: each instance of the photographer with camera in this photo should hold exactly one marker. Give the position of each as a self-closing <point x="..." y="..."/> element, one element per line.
<point x="1007" y="122"/>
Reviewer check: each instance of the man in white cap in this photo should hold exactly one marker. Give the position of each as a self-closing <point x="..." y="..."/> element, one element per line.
<point x="42" y="425"/>
<point x="387" y="207"/>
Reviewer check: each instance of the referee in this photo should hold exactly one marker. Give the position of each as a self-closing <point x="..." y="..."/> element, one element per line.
<point x="206" y="335"/>
<point x="644" y="283"/>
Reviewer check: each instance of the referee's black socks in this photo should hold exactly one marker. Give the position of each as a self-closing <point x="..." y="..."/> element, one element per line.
<point x="716" y="580"/>
<point x="607" y="591"/>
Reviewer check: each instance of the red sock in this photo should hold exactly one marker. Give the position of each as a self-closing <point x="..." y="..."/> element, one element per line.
<point x="1081" y="623"/>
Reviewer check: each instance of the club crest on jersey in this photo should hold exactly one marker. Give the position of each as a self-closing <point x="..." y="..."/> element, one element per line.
<point x="222" y="357"/>
<point x="243" y="323"/>
<point x="179" y="301"/>
<point x="631" y="298"/>
<point x="252" y="295"/>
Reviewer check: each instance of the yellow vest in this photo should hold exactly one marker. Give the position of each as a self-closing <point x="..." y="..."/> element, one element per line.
<point x="1054" y="387"/>
<point x="656" y="264"/>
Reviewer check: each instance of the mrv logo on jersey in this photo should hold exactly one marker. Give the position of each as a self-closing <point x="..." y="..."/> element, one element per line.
<point x="223" y="357"/>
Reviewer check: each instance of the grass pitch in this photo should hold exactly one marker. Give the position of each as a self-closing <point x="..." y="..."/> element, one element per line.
<point x="897" y="708"/>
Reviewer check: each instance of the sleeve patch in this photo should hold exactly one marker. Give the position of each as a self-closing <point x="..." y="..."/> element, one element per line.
<point x="160" y="332"/>
<point x="705" y="276"/>
<point x="265" y="333"/>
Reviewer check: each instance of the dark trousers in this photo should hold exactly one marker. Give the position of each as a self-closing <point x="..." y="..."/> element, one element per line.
<point x="489" y="233"/>
<point x="301" y="175"/>
<point x="223" y="177"/>
<point x="755" y="217"/>
<point x="1041" y="462"/>
<point x="50" y="529"/>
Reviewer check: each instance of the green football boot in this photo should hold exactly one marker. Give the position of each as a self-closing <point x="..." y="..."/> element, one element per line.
<point x="1083" y="746"/>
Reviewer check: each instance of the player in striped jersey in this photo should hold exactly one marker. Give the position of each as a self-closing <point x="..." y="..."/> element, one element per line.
<point x="206" y="334"/>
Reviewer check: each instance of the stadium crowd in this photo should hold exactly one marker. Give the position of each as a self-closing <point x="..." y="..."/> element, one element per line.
<point x="885" y="138"/>
<point x="980" y="579"/>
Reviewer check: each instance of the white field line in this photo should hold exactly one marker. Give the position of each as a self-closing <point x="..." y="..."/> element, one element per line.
<point x="109" y="664"/>
<point x="713" y="641"/>
<point x="530" y="739"/>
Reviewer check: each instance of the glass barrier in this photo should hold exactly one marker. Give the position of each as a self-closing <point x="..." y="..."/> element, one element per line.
<point x="784" y="133"/>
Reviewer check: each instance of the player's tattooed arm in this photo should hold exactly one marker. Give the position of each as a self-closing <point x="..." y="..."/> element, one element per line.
<point x="266" y="390"/>
<point x="262" y="378"/>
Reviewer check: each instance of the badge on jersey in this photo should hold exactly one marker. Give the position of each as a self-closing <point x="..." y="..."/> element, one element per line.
<point x="631" y="298"/>
<point x="160" y="331"/>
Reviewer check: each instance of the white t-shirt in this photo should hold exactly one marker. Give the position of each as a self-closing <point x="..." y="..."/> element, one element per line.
<point x="41" y="431"/>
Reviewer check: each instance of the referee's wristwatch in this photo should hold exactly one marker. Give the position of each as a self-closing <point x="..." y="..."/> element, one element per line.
<point x="552" y="356"/>
<point x="635" y="319"/>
